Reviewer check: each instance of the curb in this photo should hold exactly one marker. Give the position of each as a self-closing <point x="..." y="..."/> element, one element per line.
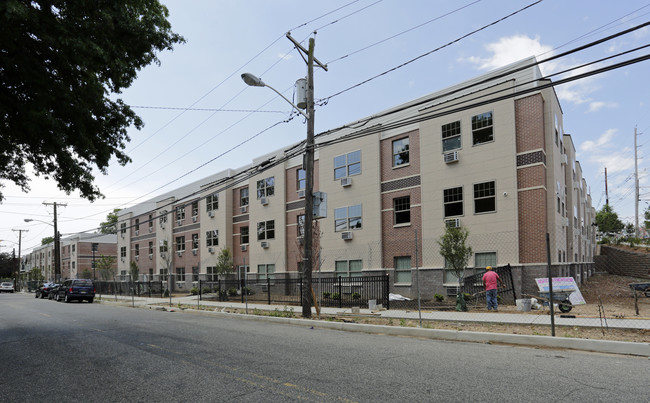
<point x="602" y="346"/>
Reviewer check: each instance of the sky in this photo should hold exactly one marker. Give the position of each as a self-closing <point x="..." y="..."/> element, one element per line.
<point x="197" y="111"/>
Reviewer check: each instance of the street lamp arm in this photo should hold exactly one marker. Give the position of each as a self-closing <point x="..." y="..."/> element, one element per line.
<point x="253" y="81"/>
<point x="44" y="222"/>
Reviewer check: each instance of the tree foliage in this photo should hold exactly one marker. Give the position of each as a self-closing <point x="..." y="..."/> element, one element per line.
<point x="61" y="62"/>
<point x="47" y="240"/>
<point x="104" y="265"/>
<point x="454" y="249"/>
<point x="607" y="220"/>
<point x="224" y="262"/>
<point x="110" y="225"/>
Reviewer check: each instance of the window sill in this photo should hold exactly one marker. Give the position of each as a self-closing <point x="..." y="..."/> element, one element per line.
<point x="401" y="166"/>
<point x="408" y="224"/>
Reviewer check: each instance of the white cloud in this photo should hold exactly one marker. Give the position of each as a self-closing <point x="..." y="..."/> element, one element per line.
<point x="596" y="106"/>
<point x="509" y="50"/>
<point x="285" y="56"/>
<point x="602" y="141"/>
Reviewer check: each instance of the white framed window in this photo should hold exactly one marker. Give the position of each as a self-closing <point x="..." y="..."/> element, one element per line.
<point x="211" y="273"/>
<point x="195" y="208"/>
<point x="451" y="136"/>
<point x="401" y="152"/>
<point x="151" y="248"/>
<point x="485" y="259"/>
<point x="180" y="243"/>
<point x="195" y="241"/>
<point x="265" y="230"/>
<point x="485" y="197"/>
<point x="347" y="218"/>
<point x="243" y="235"/>
<point x="482" y="128"/>
<point x="403" y="269"/>
<point x="123" y="251"/>
<point x="301" y="179"/>
<point x="348" y="268"/>
<point x="266" y="187"/>
<point x="180" y="274"/>
<point x="453" y="201"/>
<point x="163" y="274"/>
<point x="212" y="202"/>
<point x="137" y="249"/>
<point x="301" y="224"/>
<point x="212" y="238"/>
<point x="402" y="210"/>
<point x="265" y="271"/>
<point x="180" y="213"/>
<point x="347" y="165"/>
<point x="243" y="197"/>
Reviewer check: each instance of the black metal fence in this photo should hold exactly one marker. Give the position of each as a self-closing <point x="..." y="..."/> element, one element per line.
<point x="137" y="288"/>
<point x="473" y="286"/>
<point x="330" y="292"/>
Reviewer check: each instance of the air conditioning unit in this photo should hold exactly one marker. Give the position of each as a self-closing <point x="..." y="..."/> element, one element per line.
<point x="194" y="218"/>
<point x="211" y="249"/>
<point x="346" y="182"/>
<point x="137" y="258"/>
<point x="264" y="201"/>
<point x="451" y="157"/>
<point x="565" y="221"/>
<point x="179" y="253"/>
<point x="150" y="229"/>
<point x="122" y="259"/>
<point x="453" y="223"/>
<point x="347" y="235"/>
<point x="301" y="240"/>
<point x="194" y="252"/>
<point x="564" y="160"/>
<point x="122" y="235"/>
<point x="151" y="256"/>
<point x="137" y="232"/>
<point x="243" y="209"/>
<point x="179" y="222"/>
<point x="244" y="247"/>
<point x="301" y="193"/>
<point x="210" y="213"/>
<point x="264" y="244"/>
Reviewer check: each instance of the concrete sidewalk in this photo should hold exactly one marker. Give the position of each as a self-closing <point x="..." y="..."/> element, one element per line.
<point x="605" y="346"/>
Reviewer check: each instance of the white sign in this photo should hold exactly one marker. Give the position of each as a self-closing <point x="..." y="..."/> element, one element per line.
<point x="563" y="284"/>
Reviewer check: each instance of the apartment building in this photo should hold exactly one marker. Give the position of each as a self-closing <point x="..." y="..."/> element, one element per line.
<point x="78" y="252"/>
<point x="490" y="155"/>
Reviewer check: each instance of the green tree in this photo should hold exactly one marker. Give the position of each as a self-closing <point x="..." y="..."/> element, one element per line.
<point x="110" y="225"/>
<point x="224" y="262"/>
<point x="36" y="274"/>
<point x="607" y="220"/>
<point x="456" y="252"/>
<point x="134" y="271"/>
<point x="104" y="265"/>
<point x="47" y="240"/>
<point x="61" y="64"/>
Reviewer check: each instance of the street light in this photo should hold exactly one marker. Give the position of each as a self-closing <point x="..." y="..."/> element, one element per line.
<point x="308" y="165"/>
<point x="57" y="247"/>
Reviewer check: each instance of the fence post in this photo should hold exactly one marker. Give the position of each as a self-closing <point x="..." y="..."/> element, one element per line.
<point x="340" y="293"/>
<point x="242" y="288"/>
<point x="385" y="291"/>
<point x="268" y="288"/>
<point x="200" y="289"/>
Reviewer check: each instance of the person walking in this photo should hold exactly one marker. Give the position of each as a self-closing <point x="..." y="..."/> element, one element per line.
<point x="490" y="279"/>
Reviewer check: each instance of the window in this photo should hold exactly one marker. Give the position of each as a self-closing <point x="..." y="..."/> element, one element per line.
<point x="348" y="268"/>
<point x="265" y="271"/>
<point x="195" y="241"/>
<point x="403" y="269"/>
<point x="164" y="273"/>
<point x="243" y="197"/>
<point x="482" y="128"/>
<point x="211" y="272"/>
<point x="451" y="136"/>
<point x="195" y="273"/>
<point x="301" y="225"/>
<point x="301" y="179"/>
<point x="151" y="248"/>
<point x="180" y="213"/>
<point x="347" y="165"/>
<point x="195" y="208"/>
<point x="180" y="274"/>
<point x="180" y="243"/>
<point x="137" y="249"/>
<point x="401" y="152"/>
<point x="163" y="247"/>
<point x="402" y="210"/>
<point x="123" y="251"/>
<point x="347" y="218"/>
<point x="137" y="224"/>
<point x="243" y="232"/>
<point x="485" y="259"/>
<point x="212" y="238"/>
<point x="266" y="187"/>
<point x="123" y="228"/>
<point x="265" y="230"/>
<point x="212" y="202"/>
<point x="453" y="201"/>
<point x="74" y="247"/>
<point x="150" y="220"/>
<point x="484" y="197"/>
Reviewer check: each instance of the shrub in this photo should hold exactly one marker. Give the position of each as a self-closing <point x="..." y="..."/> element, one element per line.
<point x="206" y="290"/>
<point x="604" y="241"/>
<point x="336" y="295"/>
<point x="356" y="295"/>
<point x="439" y="297"/>
<point x="194" y="291"/>
<point x="467" y="296"/>
<point x="327" y="294"/>
<point x="232" y="291"/>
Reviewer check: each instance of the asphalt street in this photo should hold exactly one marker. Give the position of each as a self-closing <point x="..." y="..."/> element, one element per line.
<point x="98" y="352"/>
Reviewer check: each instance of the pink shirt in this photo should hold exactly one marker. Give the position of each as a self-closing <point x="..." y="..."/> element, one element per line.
<point x="490" y="279"/>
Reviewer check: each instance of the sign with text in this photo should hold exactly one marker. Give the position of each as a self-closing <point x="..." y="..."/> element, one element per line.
<point x="562" y="284"/>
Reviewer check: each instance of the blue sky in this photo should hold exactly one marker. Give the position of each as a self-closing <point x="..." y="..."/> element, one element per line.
<point x="358" y="40"/>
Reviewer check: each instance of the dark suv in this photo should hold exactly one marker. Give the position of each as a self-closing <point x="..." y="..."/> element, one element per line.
<point x="79" y="289"/>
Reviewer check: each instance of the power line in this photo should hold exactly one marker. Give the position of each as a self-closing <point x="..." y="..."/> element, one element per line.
<point x="205" y="109"/>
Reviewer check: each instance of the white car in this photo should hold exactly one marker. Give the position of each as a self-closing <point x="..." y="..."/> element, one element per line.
<point x="7" y="287"/>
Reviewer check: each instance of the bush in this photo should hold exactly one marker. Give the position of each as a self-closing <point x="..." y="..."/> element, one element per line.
<point x="327" y="294"/>
<point x="604" y="241"/>
<point x="247" y="291"/>
<point x="356" y="295"/>
<point x="206" y="290"/>
<point x="194" y="290"/>
<point x="336" y="295"/>
<point x="467" y="296"/>
<point x="232" y="292"/>
<point x="439" y="297"/>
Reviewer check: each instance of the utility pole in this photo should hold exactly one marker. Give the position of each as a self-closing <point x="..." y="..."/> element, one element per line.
<point x="20" y="240"/>
<point x="308" y="163"/>
<point x="606" y="193"/>
<point x="636" y="187"/>
<point x="57" y="243"/>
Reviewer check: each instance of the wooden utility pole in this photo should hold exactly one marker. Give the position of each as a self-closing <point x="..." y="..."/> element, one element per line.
<point x="57" y="243"/>
<point x="636" y="187"/>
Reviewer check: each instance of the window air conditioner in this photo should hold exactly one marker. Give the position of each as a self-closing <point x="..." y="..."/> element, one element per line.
<point x="211" y="250"/>
<point x="210" y="213"/>
<point x="179" y="222"/>
<point x="136" y="258"/>
<point x="137" y="232"/>
<point x="453" y="223"/>
<point x="347" y="235"/>
<point x="194" y="252"/>
<point x="301" y="193"/>
<point x="264" y="201"/>
<point x="150" y="256"/>
<point x="150" y="229"/>
<point x="244" y="247"/>
<point x="194" y="218"/>
<point x="180" y="253"/>
<point x="264" y="244"/>
<point x="301" y="240"/>
<point x="451" y="157"/>
<point x="243" y="209"/>
<point x="346" y="182"/>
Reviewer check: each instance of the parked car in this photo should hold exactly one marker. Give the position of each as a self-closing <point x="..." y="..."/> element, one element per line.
<point x="79" y="289"/>
<point x="7" y="287"/>
<point x="53" y="290"/>
<point x="44" y="290"/>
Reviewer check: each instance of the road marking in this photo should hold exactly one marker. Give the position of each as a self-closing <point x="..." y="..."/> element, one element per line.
<point x="45" y="314"/>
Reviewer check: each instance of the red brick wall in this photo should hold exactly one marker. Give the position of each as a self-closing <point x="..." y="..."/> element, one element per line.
<point x="529" y="121"/>
<point x="400" y="241"/>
